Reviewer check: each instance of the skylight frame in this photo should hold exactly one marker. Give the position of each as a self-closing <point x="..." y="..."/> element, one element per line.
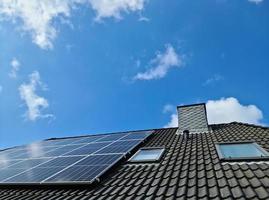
<point x="147" y="160"/>
<point x="250" y="158"/>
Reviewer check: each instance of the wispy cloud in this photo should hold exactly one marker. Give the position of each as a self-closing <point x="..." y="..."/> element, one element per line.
<point x="15" y="66"/>
<point x="161" y="64"/>
<point x="115" y="8"/>
<point x="39" y="18"/>
<point x="213" y="79"/>
<point x="35" y="104"/>
<point x="143" y="18"/>
<point x="255" y="1"/>
<point x="168" y="108"/>
<point x="226" y="110"/>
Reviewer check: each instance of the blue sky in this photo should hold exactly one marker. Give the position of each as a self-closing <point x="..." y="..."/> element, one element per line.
<point x="93" y="66"/>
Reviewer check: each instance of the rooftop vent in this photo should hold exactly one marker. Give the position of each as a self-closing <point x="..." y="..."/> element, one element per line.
<point x="192" y="118"/>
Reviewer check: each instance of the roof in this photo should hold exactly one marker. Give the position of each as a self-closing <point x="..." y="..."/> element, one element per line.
<point x="189" y="169"/>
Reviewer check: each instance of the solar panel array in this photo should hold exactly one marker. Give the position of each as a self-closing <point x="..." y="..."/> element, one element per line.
<point x="70" y="160"/>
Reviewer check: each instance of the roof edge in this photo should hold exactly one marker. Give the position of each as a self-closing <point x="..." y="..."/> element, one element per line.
<point x="108" y="133"/>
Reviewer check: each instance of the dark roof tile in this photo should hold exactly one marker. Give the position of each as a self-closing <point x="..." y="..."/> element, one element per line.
<point x="249" y="192"/>
<point x="233" y="182"/>
<point x="213" y="192"/>
<point x="262" y="193"/>
<point x="181" y="191"/>
<point x="265" y="182"/>
<point x="225" y="192"/>
<point x="202" y="192"/>
<point x="189" y="169"/>
<point x="222" y="182"/>
<point x="237" y="192"/>
<point x="243" y="182"/>
<point x="201" y="182"/>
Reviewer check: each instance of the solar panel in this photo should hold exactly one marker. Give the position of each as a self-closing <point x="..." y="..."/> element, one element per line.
<point x="71" y="160"/>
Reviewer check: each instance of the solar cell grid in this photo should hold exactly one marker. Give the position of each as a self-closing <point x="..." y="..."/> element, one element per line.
<point x="57" y="142"/>
<point x="61" y="151"/>
<point x="66" y="160"/>
<point x="9" y="172"/>
<point x="30" y="152"/>
<point x="126" y="143"/>
<point x="112" y="137"/>
<point x="61" y="161"/>
<point x="96" y="145"/>
<point x="17" y="155"/>
<point x="99" y="160"/>
<point x="26" y="164"/>
<point x="88" y="148"/>
<point x="49" y="143"/>
<point x="114" y="149"/>
<point x="82" y="151"/>
<point x="86" y="140"/>
<point x="34" y="175"/>
<point x="4" y="152"/>
<point x="68" y="141"/>
<point x="135" y="135"/>
<point x="7" y="163"/>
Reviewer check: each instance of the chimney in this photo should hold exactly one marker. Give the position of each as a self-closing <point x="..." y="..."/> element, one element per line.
<point x="192" y="119"/>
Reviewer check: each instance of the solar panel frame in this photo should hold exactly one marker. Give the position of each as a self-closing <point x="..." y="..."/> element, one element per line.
<point x="100" y="170"/>
<point x="97" y="176"/>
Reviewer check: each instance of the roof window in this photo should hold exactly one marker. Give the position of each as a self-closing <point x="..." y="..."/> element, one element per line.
<point x="241" y="151"/>
<point x="151" y="154"/>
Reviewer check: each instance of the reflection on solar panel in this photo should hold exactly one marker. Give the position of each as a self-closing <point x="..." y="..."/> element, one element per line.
<point x="72" y="160"/>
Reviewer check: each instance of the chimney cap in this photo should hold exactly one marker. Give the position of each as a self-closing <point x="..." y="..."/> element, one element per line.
<point x="190" y="105"/>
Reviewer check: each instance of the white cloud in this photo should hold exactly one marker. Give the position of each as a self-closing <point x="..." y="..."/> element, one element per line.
<point x="15" y="66"/>
<point x="229" y="109"/>
<point x="35" y="104"/>
<point x="226" y="110"/>
<point x="114" y="8"/>
<point x="168" y="108"/>
<point x="161" y="64"/>
<point x="255" y="1"/>
<point x="38" y="17"/>
<point x="143" y="19"/>
<point x="213" y="79"/>
<point x="173" y="121"/>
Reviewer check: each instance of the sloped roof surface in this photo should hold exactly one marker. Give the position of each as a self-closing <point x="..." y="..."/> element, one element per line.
<point x="188" y="170"/>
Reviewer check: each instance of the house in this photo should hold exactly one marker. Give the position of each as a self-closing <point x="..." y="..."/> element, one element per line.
<point x="192" y="161"/>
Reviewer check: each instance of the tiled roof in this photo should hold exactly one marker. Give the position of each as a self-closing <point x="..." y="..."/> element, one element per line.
<point x="190" y="169"/>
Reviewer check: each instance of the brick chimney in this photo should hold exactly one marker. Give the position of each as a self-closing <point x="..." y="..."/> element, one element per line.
<point x="192" y="118"/>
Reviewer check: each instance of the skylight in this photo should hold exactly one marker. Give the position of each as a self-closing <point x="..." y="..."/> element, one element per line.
<point x="148" y="155"/>
<point x="241" y="151"/>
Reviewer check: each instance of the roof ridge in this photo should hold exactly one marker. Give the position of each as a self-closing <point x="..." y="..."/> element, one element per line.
<point x="242" y="123"/>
